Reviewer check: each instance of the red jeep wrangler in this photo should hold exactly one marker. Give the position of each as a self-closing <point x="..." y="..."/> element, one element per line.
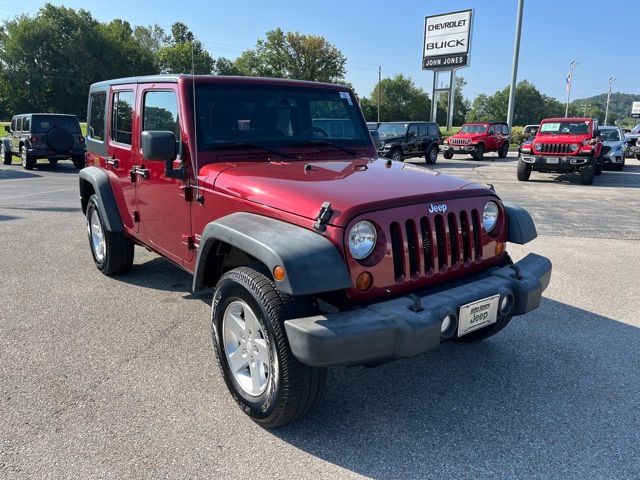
<point x="477" y="139"/>
<point x="319" y="253"/>
<point x="563" y="145"/>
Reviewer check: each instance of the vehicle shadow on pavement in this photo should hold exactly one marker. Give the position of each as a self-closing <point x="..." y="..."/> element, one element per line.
<point x="628" y="178"/>
<point x="47" y="209"/>
<point x="555" y="395"/>
<point x="7" y="218"/>
<point x="10" y="174"/>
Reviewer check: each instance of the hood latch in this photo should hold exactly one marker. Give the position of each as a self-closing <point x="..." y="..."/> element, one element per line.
<point x="323" y="217"/>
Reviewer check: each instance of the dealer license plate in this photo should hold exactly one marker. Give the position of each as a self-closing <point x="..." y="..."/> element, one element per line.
<point x="473" y="316"/>
<point x="552" y="159"/>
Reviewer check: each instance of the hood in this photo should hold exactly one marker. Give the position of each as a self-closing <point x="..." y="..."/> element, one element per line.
<point x="352" y="186"/>
<point x="465" y="135"/>
<point x="613" y="143"/>
<point x="546" y="138"/>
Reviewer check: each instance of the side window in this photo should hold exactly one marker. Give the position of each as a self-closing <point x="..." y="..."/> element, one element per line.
<point x="13" y="125"/>
<point x="413" y="130"/>
<point x="26" y="124"/>
<point x="19" y="124"/>
<point x="492" y="130"/>
<point x="505" y="129"/>
<point x="95" y="129"/>
<point x="433" y="130"/>
<point x="122" y="116"/>
<point x="422" y="129"/>
<point x="160" y="112"/>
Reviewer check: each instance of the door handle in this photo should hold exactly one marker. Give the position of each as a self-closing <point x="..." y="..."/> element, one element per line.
<point x="143" y="172"/>
<point x="113" y="161"/>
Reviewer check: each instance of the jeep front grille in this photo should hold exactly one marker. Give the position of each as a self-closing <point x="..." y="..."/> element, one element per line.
<point x="554" y="148"/>
<point x="459" y="141"/>
<point x="446" y="240"/>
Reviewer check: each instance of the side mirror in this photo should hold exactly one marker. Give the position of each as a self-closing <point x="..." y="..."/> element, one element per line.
<point x="7" y="128"/>
<point x="412" y="134"/>
<point x="161" y="145"/>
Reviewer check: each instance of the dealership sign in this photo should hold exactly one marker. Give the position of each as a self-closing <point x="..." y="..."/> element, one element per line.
<point x="447" y="39"/>
<point x="635" y="109"/>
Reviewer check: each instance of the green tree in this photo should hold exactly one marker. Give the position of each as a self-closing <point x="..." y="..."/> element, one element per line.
<point x="293" y="55"/>
<point x="176" y="55"/>
<point x="400" y="99"/>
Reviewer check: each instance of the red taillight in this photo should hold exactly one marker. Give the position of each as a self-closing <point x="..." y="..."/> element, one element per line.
<point x="33" y="139"/>
<point x="80" y="139"/>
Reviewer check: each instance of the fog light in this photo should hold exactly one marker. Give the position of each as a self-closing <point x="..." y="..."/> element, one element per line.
<point x="446" y="323"/>
<point x="278" y="273"/>
<point x="505" y="303"/>
<point x="499" y="248"/>
<point x="364" y="281"/>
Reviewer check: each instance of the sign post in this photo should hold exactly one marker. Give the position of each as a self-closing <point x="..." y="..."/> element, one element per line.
<point x="635" y="110"/>
<point x="447" y="47"/>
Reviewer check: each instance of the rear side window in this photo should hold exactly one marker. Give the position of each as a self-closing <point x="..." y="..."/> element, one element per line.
<point x="492" y="130"/>
<point x="422" y="129"/>
<point x="13" y="125"/>
<point x="433" y="130"/>
<point x="26" y="124"/>
<point x="122" y="116"/>
<point x="505" y="129"/>
<point x="413" y="129"/>
<point x="161" y="112"/>
<point x="95" y="128"/>
<point x="19" y="124"/>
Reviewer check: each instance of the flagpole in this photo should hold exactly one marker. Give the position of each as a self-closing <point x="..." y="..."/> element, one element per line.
<point x="572" y="67"/>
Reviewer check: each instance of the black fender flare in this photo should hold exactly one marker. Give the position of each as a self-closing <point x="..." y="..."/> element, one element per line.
<point x="311" y="262"/>
<point x="521" y="227"/>
<point x="98" y="179"/>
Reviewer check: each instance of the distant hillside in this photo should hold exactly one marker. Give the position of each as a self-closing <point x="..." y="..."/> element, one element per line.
<point x="619" y="107"/>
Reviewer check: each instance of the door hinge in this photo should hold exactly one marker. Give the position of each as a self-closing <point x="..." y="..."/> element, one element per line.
<point x="323" y="217"/>
<point x="136" y="216"/>
<point x="189" y="241"/>
<point x="187" y="191"/>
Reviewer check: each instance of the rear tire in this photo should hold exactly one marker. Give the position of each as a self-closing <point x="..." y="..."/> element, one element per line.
<point x="78" y="162"/>
<point x="524" y="171"/>
<point x="112" y="251"/>
<point x="432" y="156"/>
<point x="28" y="162"/>
<point x="447" y="155"/>
<point x="285" y="389"/>
<point x="7" y="157"/>
<point x="504" y="150"/>
<point x="587" y="175"/>
<point x="598" y="169"/>
<point x="478" y="154"/>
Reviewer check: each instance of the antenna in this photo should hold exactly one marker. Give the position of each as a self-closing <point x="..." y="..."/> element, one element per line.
<point x="195" y="120"/>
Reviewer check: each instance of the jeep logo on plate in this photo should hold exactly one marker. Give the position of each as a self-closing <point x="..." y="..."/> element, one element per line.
<point x="437" y="208"/>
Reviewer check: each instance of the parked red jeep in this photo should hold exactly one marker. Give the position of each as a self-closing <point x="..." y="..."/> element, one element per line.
<point x="319" y="253"/>
<point x="476" y="139"/>
<point x="563" y="145"/>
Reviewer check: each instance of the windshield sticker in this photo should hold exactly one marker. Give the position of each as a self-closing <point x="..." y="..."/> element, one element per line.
<point x="346" y="96"/>
<point x="419" y="169"/>
<point x="550" y="127"/>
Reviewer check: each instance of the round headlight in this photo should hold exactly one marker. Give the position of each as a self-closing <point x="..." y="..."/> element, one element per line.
<point x="573" y="147"/>
<point x="362" y="239"/>
<point x="537" y="147"/>
<point x="490" y="216"/>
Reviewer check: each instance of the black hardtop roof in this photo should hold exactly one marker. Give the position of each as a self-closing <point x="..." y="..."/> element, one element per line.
<point x="406" y="121"/>
<point x="45" y="113"/>
<point x="229" y="79"/>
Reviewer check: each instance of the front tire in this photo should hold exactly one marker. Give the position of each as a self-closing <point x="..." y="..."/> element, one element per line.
<point x="78" y="161"/>
<point x="504" y="150"/>
<point x="478" y="154"/>
<point x="271" y="386"/>
<point x="396" y="155"/>
<point x="6" y="156"/>
<point x="447" y="155"/>
<point x="112" y="251"/>
<point x="587" y="175"/>
<point x="598" y="169"/>
<point x="28" y="162"/>
<point x="524" y="171"/>
<point x="432" y="156"/>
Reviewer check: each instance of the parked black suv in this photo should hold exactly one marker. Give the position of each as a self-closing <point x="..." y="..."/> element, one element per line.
<point x="53" y="136"/>
<point x="400" y="140"/>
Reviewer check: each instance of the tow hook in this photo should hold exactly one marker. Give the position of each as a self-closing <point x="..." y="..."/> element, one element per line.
<point x="323" y="217"/>
<point x="417" y="304"/>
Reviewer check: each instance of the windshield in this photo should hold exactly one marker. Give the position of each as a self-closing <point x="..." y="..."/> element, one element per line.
<point x="610" y="135"/>
<point x="44" y="123"/>
<point x="473" y="129"/>
<point x="276" y="116"/>
<point x="388" y="130"/>
<point x="570" y="128"/>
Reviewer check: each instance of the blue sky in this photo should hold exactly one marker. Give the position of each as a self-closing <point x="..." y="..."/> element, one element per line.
<point x="602" y="36"/>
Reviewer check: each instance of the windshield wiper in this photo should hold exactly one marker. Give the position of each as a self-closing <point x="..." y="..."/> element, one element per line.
<point x="224" y="146"/>
<point x="324" y="142"/>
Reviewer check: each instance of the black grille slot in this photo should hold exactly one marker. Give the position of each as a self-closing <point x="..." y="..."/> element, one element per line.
<point x="397" y="249"/>
<point x="425" y="231"/>
<point x="453" y="239"/>
<point x="555" y="148"/>
<point x="441" y="242"/>
<point x="477" y="243"/>
<point x="466" y="236"/>
<point x="412" y="245"/>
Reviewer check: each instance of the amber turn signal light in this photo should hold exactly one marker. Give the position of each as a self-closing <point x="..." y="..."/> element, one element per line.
<point x="278" y="273"/>
<point x="499" y="248"/>
<point x="364" y="281"/>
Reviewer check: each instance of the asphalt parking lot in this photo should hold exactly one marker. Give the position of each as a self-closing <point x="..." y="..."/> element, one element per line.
<point x="115" y="377"/>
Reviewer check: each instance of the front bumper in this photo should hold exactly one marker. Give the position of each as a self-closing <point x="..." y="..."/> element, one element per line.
<point x="391" y="329"/>
<point x="458" y="148"/>
<point x="556" y="163"/>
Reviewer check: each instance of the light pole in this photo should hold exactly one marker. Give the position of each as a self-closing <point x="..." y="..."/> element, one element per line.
<point x="572" y="67"/>
<point x="514" y="65"/>
<point x="606" y="112"/>
<point x="379" y="87"/>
